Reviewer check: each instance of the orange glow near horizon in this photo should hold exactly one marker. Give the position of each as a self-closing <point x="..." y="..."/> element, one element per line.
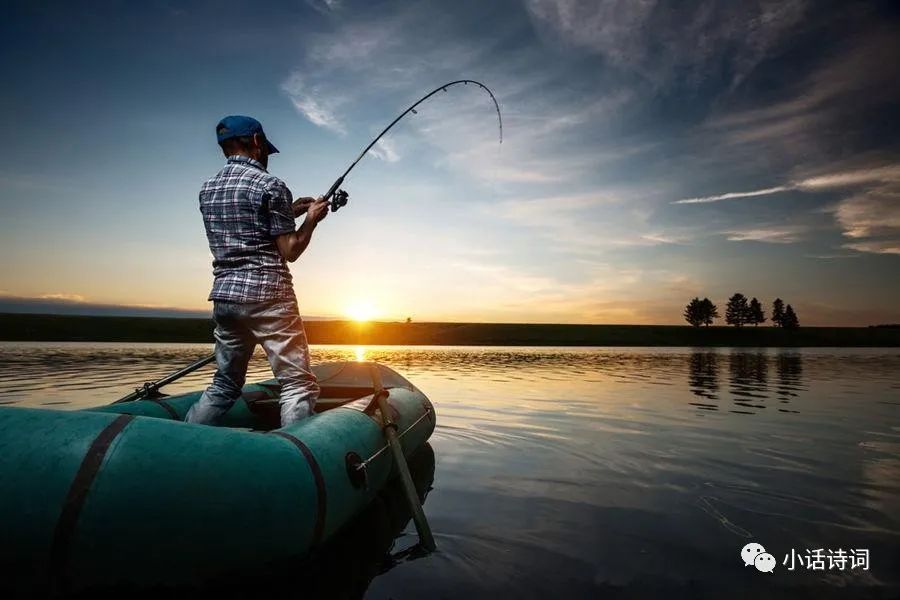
<point x="361" y="311"/>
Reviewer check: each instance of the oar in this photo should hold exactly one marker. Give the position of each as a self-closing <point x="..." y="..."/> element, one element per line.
<point x="151" y="388"/>
<point x="426" y="539"/>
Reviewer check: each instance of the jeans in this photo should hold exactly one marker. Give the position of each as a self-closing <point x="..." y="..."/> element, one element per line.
<point x="277" y="327"/>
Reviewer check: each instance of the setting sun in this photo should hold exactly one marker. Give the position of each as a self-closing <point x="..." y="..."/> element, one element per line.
<point x="361" y="311"/>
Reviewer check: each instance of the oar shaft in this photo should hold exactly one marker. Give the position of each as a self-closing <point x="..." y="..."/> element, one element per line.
<point x="154" y="386"/>
<point x="426" y="538"/>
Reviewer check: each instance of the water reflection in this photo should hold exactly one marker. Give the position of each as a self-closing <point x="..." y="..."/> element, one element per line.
<point x="748" y="376"/>
<point x="748" y="379"/>
<point x="790" y="378"/>
<point x="703" y="378"/>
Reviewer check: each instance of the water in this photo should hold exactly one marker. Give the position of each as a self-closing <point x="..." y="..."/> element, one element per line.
<point x="601" y="472"/>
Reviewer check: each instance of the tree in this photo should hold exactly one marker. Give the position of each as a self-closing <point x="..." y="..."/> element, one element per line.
<point x="709" y="311"/>
<point x="736" y="311"/>
<point x="778" y="312"/>
<point x="755" y="313"/>
<point x="693" y="312"/>
<point x="408" y="320"/>
<point x="790" y="320"/>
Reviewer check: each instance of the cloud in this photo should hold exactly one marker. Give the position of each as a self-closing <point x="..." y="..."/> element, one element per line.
<point x="312" y="103"/>
<point x="68" y="297"/>
<point x="882" y="174"/>
<point x="871" y="218"/>
<point x="855" y="79"/>
<point x="876" y="246"/>
<point x="649" y="38"/>
<point x="325" y="6"/>
<point x="872" y="212"/>
<point x="786" y="234"/>
<point x="832" y="256"/>
<point x="386" y="150"/>
<point x="736" y="195"/>
<point x="75" y="304"/>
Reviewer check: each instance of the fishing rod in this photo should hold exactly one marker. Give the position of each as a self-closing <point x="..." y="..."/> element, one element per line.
<point x="341" y="197"/>
<point x="337" y="198"/>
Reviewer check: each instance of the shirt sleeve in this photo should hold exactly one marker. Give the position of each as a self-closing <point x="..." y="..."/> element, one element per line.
<point x="281" y="211"/>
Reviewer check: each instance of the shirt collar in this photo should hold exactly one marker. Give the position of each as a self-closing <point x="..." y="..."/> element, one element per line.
<point x="246" y="160"/>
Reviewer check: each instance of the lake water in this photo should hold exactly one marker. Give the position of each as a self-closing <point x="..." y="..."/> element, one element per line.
<point x="601" y="472"/>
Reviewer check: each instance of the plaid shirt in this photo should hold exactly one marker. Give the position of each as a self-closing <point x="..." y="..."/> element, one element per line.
<point x="244" y="208"/>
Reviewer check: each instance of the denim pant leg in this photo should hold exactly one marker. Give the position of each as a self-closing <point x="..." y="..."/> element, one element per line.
<point x="279" y="330"/>
<point x="234" y="347"/>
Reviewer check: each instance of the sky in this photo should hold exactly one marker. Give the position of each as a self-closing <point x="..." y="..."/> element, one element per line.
<point x="652" y="152"/>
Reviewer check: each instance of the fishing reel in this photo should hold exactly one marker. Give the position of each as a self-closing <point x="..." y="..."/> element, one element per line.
<point x="339" y="199"/>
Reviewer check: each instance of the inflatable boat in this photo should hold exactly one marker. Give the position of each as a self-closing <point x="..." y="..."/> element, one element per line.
<point x="129" y="494"/>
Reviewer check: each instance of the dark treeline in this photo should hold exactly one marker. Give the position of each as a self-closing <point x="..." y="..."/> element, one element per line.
<point x="739" y="312"/>
<point x="56" y="328"/>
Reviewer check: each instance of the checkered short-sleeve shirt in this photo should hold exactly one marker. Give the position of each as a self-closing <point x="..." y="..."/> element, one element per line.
<point x="244" y="208"/>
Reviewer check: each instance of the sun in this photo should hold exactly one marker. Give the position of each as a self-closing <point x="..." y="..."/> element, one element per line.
<point x="361" y="311"/>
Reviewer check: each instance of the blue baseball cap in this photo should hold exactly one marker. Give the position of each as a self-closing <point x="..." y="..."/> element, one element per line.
<point x="241" y="126"/>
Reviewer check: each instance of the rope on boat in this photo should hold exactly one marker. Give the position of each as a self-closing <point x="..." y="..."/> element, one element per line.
<point x="362" y="465"/>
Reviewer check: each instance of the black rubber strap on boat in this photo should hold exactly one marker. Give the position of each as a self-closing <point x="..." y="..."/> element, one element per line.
<point x="169" y="409"/>
<point x="78" y="492"/>
<point x="319" y="529"/>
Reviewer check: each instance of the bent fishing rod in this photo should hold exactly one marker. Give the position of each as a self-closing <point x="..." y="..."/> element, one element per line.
<point x="340" y="197"/>
<point x="336" y="198"/>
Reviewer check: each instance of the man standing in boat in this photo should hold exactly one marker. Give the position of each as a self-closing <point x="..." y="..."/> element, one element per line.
<point x="249" y="219"/>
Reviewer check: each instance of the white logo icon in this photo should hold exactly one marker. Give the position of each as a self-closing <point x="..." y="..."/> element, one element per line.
<point x="764" y="562"/>
<point x="750" y="552"/>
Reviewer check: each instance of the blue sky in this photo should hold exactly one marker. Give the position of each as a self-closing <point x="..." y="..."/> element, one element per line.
<point x="652" y="152"/>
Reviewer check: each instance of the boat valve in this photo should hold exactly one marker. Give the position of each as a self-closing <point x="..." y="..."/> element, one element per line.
<point x="357" y="470"/>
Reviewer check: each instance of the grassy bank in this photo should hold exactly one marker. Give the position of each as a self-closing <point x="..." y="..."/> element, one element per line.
<point x="21" y="327"/>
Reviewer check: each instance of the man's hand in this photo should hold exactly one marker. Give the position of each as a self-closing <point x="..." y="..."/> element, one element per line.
<point x="301" y="205"/>
<point x="291" y="245"/>
<point x="318" y="209"/>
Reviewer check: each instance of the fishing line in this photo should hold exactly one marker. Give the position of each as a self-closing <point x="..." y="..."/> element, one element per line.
<point x="339" y="198"/>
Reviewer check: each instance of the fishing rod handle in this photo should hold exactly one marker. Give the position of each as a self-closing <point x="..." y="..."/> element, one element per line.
<point x="333" y="188"/>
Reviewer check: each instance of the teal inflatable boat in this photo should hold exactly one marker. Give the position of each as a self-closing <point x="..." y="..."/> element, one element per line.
<point x="128" y="494"/>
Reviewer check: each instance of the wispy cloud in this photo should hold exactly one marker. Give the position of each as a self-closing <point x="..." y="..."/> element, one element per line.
<point x="883" y="174"/>
<point x="68" y="297"/>
<point x="781" y="234"/>
<point x="76" y="304"/>
<point x="325" y="6"/>
<point x="876" y="246"/>
<point x="312" y="103"/>
<point x="801" y="124"/>
<point x="872" y="212"/>
<point x="832" y="256"/>
<point x="871" y="218"/>
<point x="385" y="149"/>
<point x="689" y="39"/>
<point x="735" y="195"/>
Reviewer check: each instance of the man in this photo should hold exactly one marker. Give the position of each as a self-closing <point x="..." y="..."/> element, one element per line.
<point x="249" y="218"/>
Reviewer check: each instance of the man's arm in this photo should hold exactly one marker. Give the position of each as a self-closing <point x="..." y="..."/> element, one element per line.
<point x="291" y="245"/>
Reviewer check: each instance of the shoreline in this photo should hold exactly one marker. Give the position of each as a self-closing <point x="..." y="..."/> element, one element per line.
<point x="76" y="328"/>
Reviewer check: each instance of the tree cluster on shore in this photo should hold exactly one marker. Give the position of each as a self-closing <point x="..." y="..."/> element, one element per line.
<point x="739" y="312"/>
